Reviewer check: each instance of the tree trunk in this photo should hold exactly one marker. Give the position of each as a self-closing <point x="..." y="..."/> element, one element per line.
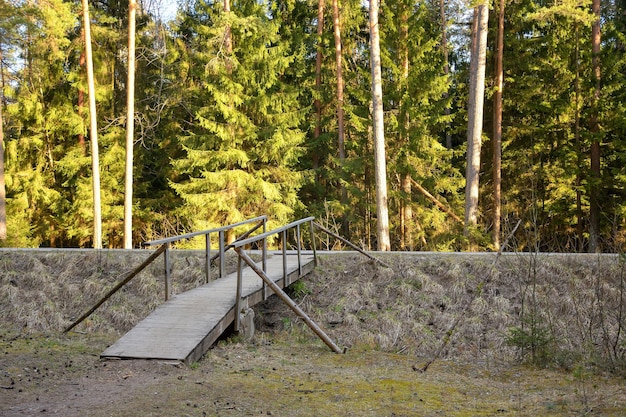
<point x="406" y="220"/>
<point x="93" y="133"/>
<point x="497" y="130"/>
<point x="3" y="212"/>
<point x="228" y="38"/>
<point x="446" y="66"/>
<point x="81" y="98"/>
<point x="130" y="128"/>
<point x="340" y="118"/>
<point x="318" y="78"/>
<point x="579" y="152"/>
<point x="406" y="240"/>
<point x="594" y="195"/>
<point x="475" y="114"/>
<point x="380" y="164"/>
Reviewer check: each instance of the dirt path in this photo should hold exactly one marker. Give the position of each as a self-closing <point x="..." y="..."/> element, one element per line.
<point x="293" y="375"/>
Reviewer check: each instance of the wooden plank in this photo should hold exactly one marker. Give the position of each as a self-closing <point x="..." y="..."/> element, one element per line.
<point x="184" y="327"/>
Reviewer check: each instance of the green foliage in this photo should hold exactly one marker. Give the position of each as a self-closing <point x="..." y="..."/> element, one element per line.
<point x="534" y="341"/>
<point x="241" y="154"/>
<point x="222" y="136"/>
<point x="299" y="289"/>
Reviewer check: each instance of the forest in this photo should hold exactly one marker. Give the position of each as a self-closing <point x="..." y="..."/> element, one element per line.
<point x="425" y="125"/>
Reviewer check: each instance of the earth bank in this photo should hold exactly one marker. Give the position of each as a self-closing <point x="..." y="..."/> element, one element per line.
<point x="530" y="340"/>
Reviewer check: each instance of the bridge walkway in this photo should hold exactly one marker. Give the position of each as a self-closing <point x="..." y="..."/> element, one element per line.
<point x="186" y="326"/>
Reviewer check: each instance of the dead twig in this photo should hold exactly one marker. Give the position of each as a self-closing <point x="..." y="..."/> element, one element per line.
<point x="352" y="245"/>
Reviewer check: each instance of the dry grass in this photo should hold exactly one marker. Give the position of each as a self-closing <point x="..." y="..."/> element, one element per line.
<point x="577" y="301"/>
<point x="44" y="291"/>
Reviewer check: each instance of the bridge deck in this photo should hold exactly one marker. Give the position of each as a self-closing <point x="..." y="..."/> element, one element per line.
<point x="184" y="327"/>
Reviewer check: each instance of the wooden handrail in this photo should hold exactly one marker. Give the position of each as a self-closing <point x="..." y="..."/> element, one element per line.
<point x="271" y="232"/>
<point x="202" y="232"/>
<point x="115" y="289"/>
<point x="164" y="249"/>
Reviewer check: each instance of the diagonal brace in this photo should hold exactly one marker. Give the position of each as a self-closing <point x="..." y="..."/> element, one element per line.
<point x="287" y="300"/>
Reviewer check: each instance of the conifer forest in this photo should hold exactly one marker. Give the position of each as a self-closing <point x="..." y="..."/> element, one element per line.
<point x="425" y="125"/>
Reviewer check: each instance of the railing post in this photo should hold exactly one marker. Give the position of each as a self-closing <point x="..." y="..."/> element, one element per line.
<point x="221" y="249"/>
<point x="299" y="253"/>
<point x="264" y="257"/>
<point x="207" y="264"/>
<point x="312" y="225"/>
<point x="264" y="249"/>
<point x="168" y="268"/>
<point x="238" y="295"/>
<point x="284" y="237"/>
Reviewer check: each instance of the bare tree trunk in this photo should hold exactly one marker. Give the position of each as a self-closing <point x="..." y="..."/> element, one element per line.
<point x="436" y="202"/>
<point x="228" y="38"/>
<point x="406" y="220"/>
<point x="93" y="132"/>
<point x="3" y="211"/>
<point x="446" y="65"/>
<point x="130" y="128"/>
<point x="406" y="239"/>
<point x="380" y="164"/>
<point x="318" y="77"/>
<point x="81" y="98"/>
<point x="475" y="114"/>
<point x="340" y="97"/>
<point x="594" y="197"/>
<point x="577" y="141"/>
<point x="497" y="130"/>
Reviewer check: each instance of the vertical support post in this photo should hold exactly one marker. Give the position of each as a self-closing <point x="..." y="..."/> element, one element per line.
<point x="221" y="249"/>
<point x="207" y="264"/>
<point x="168" y="268"/>
<point x="264" y="246"/>
<point x="284" y="238"/>
<point x="238" y="295"/>
<point x="299" y="252"/>
<point x="290" y="303"/>
<point x="264" y="256"/>
<point x="312" y="225"/>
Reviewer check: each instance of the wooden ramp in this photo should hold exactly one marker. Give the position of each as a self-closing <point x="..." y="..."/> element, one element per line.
<point x="184" y="327"/>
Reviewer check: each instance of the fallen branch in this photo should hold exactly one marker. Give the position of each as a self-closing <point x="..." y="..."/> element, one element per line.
<point x="436" y="202"/>
<point x="352" y="245"/>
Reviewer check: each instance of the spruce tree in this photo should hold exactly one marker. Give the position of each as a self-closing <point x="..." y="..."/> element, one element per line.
<point x="241" y="140"/>
<point x="547" y="53"/>
<point x="43" y="123"/>
<point x="414" y="95"/>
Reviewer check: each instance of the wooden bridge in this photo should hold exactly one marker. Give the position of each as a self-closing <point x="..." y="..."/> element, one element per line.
<point x="186" y="325"/>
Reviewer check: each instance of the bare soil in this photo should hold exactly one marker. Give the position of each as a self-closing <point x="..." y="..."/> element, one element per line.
<point x="392" y="320"/>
